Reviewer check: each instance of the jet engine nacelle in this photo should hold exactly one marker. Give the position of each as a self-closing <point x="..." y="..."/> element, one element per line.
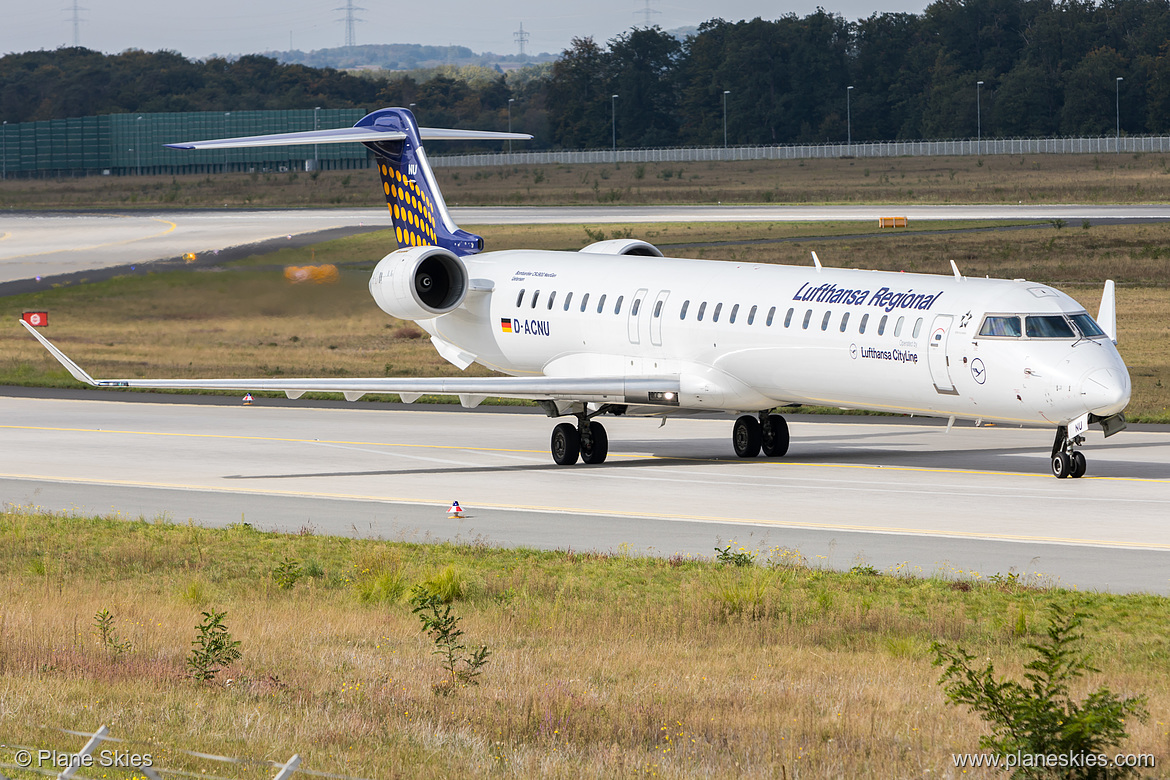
<point x="419" y="283"/>
<point x="623" y="246"/>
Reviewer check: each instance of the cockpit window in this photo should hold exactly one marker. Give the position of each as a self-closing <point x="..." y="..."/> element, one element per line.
<point x="1087" y="326"/>
<point x="1001" y="326"/>
<point x="1048" y="327"/>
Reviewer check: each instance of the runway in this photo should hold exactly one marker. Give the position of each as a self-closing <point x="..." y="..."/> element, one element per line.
<point x="884" y="493"/>
<point x="49" y="245"/>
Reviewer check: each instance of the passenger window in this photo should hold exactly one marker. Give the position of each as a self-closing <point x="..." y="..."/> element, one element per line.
<point x="551" y="298"/>
<point x="844" y="321"/>
<point x="568" y="300"/>
<point x="601" y="303"/>
<point x="682" y="315"/>
<point x="637" y="305"/>
<point x="882" y="324"/>
<point x="1008" y="327"/>
<point x="788" y="318"/>
<point x="752" y="315"/>
<point x="520" y="299"/>
<point x="807" y="319"/>
<point x="731" y="317"/>
<point x="917" y="327"/>
<point x="702" y="308"/>
<point x="825" y="320"/>
<point x="584" y="302"/>
<point x="617" y="307"/>
<point x="658" y="309"/>
<point x="861" y="326"/>
<point x="771" y="314"/>
<point x="715" y="314"/>
<point x="1052" y="327"/>
<point x="898" y="327"/>
<point x="535" y="298"/>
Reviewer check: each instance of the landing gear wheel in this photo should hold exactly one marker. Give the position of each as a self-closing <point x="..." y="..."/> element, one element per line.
<point x="565" y="445"/>
<point x="598" y="446"/>
<point x="747" y="436"/>
<point x="775" y="437"/>
<point x="1079" y="466"/>
<point x="1061" y="465"/>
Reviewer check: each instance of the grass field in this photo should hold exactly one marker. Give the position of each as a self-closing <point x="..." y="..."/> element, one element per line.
<point x="602" y="665"/>
<point x="1129" y="178"/>
<point x="246" y="320"/>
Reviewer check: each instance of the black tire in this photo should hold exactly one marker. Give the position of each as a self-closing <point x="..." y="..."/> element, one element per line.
<point x="599" y="446"/>
<point x="565" y="445"/>
<point x="776" y="445"/>
<point x="1079" y="466"/>
<point x="1061" y="465"/>
<point x="747" y="436"/>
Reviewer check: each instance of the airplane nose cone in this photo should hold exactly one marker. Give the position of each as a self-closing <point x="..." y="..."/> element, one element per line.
<point x="1105" y="391"/>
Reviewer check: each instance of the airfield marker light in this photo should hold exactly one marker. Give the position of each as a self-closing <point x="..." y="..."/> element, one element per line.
<point x="455" y="510"/>
<point x="247" y="399"/>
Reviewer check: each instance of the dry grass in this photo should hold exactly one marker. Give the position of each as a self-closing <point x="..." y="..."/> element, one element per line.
<point x="1130" y="178"/>
<point x="603" y="665"/>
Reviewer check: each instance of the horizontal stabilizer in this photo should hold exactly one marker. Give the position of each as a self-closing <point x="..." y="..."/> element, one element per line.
<point x="618" y="390"/>
<point x="347" y="135"/>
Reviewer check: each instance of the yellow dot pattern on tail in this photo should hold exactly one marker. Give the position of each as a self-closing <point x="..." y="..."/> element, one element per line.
<point x="411" y="208"/>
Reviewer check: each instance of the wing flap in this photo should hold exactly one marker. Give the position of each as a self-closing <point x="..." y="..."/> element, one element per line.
<point x="614" y="390"/>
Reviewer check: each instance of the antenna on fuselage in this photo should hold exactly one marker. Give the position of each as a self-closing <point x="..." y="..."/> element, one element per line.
<point x="817" y="262"/>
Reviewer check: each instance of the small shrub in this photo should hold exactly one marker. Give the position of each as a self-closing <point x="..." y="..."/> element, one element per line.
<point x="447" y="585"/>
<point x="640" y="172"/>
<point x="743" y="594"/>
<point x="461" y="668"/>
<point x="865" y="570"/>
<point x="1039" y="716"/>
<point x="286" y="573"/>
<point x="103" y="626"/>
<point x="1058" y="223"/>
<point x="213" y="648"/>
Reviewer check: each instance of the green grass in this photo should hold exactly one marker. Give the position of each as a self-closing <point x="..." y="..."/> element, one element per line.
<point x="603" y="664"/>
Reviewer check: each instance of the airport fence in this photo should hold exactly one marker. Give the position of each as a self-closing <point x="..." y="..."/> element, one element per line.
<point x="133" y="144"/>
<point x="104" y="755"/>
<point x="942" y="148"/>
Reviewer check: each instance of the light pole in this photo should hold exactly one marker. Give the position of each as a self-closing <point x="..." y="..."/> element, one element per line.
<point x="138" y="144"/>
<point x="316" y="126"/>
<point x="1117" y="110"/>
<point x="613" y="121"/>
<point x="726" y="92"/>
<point x="4" y="154"/>
<point x="849" y="118"/>
<point x="510" y="102"/>
<point x="978" y="119"/>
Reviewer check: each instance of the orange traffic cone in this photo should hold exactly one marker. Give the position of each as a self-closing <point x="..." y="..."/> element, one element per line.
<point x="455" y="510"/>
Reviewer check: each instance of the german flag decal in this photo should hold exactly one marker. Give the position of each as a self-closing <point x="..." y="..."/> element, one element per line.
<point x="506" y="325"/>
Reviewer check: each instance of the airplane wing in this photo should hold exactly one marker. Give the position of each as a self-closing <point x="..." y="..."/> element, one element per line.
<point x="347" y="135"/>
<point x="470" y="390"/>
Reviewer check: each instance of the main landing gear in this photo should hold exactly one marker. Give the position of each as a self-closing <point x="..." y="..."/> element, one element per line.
<point x="1067" y="461"/>
<point x="768" y="433"/>
<point x="587" y="440"/>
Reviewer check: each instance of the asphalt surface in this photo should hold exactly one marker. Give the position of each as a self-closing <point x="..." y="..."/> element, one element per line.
<point x="878" y="491"/>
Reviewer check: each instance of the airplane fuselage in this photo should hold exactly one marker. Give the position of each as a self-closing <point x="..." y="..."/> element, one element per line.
<point x="745" y="336"/>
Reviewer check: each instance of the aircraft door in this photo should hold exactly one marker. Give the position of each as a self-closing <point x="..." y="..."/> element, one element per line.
<point x="656" y="314"/>
<point x="634" y="318"/>
<point x="936" y="352"/>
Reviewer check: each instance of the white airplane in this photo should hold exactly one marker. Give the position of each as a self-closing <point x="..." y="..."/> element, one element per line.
<point x="618" y="329"/>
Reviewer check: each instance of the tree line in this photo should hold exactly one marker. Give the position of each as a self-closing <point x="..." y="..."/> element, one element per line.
<point x="1001" y="68"/>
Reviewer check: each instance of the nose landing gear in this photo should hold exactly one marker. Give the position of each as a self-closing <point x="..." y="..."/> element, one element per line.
<point x="1067" y="461"/>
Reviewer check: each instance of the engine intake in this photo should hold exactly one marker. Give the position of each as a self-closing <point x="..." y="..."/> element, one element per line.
<point x="419" y="283"/>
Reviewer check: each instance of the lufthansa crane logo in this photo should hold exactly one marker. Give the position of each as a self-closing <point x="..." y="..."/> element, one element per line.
<point x="978" y="371"/>
<point x="853" y="351"/>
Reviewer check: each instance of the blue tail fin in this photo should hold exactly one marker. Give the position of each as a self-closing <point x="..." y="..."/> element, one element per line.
<point x="416" y="205"/>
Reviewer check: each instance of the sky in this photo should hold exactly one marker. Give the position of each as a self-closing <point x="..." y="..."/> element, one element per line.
<point x="226" y="27"/>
